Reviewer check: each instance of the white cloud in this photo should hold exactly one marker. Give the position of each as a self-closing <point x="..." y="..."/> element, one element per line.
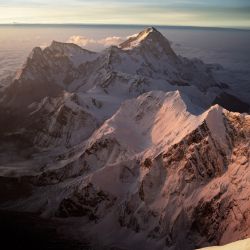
<point x="44" y="45"/>
<point x="81" y="40"/>
<point x="113" y="40"/>
<point x="86" y="42"/>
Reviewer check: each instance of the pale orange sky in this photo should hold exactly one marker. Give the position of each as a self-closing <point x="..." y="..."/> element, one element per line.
<point x="223" y="13"/>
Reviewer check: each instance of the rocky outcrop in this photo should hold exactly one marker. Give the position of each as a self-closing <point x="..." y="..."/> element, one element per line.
<point x="87" y="202"/>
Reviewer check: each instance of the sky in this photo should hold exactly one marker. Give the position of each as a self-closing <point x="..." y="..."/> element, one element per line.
<point x="210" y="13"/>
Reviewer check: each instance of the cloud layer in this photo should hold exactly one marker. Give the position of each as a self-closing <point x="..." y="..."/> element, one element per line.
<point x="90" y="42"/>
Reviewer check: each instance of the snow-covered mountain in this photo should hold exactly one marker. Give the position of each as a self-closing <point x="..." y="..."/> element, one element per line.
<point x="131" y="141"/>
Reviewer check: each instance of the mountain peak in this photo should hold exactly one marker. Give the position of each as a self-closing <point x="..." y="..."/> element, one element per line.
<point x="150" y="30"/>
<point x="147" y="31"/>
<point x="64" y="46"/>
<point x="136" y="39"/>
<point x="37" y="51"/>
<point x="150" y="38"/>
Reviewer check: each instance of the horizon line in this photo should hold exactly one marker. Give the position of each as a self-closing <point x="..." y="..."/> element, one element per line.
<point x="125" y="25"/>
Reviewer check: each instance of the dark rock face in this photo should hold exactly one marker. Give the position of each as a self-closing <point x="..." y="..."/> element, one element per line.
<point x="203" y="157"/>
<point x="87" y="202"/>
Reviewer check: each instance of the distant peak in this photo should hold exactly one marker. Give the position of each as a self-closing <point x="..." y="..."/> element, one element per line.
<point x="61" y="45"/>
<point x="150" y="38"/>
<point x="57" y="44"/>
<point x="137" y="39"/>
<point x="150" y="30"/>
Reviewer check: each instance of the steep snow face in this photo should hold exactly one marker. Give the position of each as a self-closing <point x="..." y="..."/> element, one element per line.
<point x="153" y="119"/>
<point x="156" y="120"/>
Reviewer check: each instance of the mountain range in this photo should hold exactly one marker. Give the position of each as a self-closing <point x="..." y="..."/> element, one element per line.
<point x="135" y="147"/>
